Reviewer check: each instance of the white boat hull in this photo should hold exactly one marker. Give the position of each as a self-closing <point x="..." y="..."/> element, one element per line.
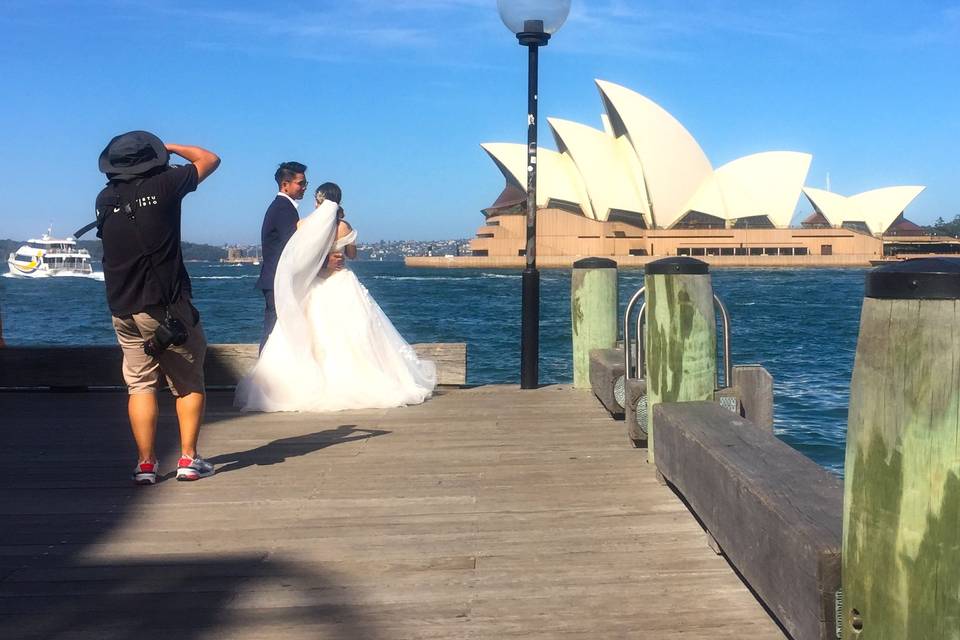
<point x="17" y="271"/>
<point x="51" y="257"/>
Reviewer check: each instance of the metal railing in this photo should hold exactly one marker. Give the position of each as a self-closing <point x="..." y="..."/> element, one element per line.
<point x="725" y="319"/>
<point x="631" y="372"/>
<point x="627" y="351"/>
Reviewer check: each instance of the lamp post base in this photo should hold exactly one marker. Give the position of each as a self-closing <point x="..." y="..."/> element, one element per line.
<point x="530" y="329"/>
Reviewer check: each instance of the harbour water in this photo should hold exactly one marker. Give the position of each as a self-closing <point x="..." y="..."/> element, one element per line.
<point x="800" y="324"/>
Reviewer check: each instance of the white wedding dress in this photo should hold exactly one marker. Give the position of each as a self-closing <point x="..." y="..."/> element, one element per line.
<point x="333" y="348"/>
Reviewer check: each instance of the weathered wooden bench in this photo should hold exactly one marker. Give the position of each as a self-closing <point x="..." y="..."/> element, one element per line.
<point x="751" y="387"/>
<point x="225" y="365"/>
<point x="606" y="367"/>
<point x="775" y="514"/>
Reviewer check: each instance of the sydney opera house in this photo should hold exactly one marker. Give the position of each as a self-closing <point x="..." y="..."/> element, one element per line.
<point x="641" y="188"/>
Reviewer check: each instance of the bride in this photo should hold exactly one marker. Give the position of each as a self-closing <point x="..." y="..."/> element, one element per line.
<point x="333" y="348"/>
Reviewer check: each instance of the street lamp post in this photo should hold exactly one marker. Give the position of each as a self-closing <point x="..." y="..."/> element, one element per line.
<point x="533" y="22"/>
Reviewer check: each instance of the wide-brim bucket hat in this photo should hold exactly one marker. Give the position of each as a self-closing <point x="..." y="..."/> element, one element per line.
<point x="133" y="154"/>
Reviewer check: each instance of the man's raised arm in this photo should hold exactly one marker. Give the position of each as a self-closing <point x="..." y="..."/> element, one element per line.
<point x="205" y="161"/>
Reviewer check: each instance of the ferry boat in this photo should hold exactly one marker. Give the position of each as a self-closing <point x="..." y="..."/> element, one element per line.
<point x="50" y="256"/>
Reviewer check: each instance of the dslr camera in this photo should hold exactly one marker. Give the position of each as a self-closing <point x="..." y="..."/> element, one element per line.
<point x="169" y="332"/>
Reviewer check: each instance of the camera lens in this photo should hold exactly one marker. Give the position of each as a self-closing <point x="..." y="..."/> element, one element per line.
<point x="169" y="332"/>
<point x="178" y="332"/>
<point x="151" y="348"/>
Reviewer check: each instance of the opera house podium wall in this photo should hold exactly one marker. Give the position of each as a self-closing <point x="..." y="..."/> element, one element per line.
<point x="564" y="237"/>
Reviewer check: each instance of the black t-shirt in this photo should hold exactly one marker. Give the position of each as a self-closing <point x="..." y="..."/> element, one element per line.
<point x="134" y="281"/>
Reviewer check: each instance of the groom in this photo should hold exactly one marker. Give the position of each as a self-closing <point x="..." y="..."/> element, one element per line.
<point x="279" y="224"/>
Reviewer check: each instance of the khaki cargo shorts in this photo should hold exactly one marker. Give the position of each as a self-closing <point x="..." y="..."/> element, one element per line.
<point x="182" y="366"/>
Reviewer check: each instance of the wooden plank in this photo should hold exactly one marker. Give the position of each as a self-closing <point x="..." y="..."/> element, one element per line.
<point x="450" y="358"/>
<point x="775" y="513"/>
<point x="225" y="365"/>
<point x="488" y="512"/>
<point x="606" y="367"/>
<point x="754" y="386"/>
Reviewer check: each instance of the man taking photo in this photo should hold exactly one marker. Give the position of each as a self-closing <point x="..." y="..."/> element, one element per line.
<point x="148" y="289"/>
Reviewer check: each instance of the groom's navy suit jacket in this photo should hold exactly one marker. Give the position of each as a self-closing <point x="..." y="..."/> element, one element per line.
<point x="279" y="224"/>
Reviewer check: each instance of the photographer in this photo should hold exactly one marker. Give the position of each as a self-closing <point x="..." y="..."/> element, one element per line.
<point x="148" y="289"/>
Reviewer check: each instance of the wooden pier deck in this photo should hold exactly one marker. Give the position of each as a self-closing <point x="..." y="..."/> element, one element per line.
<point x="485" y="513"/>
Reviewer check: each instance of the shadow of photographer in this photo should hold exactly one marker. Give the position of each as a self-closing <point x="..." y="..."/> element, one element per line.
<point x="80" y="556"/>
<point x="185" y="597"/>
<point x="284" y="448"/>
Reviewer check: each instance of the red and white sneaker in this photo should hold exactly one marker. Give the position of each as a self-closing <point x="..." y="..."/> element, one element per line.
<point x="145" y="473"/>
<point x="193" y="468"/>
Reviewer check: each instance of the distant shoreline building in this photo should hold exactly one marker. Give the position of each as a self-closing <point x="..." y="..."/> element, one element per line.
<point x="642" y="188"/>
<point x="242" y="255"/>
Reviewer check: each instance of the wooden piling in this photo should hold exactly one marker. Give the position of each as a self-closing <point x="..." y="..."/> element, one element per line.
<point x="593" y="313"/>
<point x="901" y="549"/>
<point x="680" y="337"/>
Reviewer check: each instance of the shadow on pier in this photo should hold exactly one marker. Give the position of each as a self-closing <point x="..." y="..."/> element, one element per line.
<point x="282" y="449"/>
<point x="85" y="554"/>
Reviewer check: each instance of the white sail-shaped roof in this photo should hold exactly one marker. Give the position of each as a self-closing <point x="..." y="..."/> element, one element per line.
<point x="881" y="207"/>
<point x="606" y="173"/>
<point x="674" y="166"/>
<point x="557" y="177"/>
<point x="877" y="208"/>
<point x="832" y="206"/>
<point x="764" y="184"/>
<point x="634" y="169"/>
<point x="708" y="199"/>
<point x="511" y="159"/>
<point x="644" y="161"/>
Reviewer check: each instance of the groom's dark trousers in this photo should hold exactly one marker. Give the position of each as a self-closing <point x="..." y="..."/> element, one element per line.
<point x="279" y="224"/>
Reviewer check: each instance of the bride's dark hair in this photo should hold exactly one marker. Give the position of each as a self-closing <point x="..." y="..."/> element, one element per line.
<point x="328" y="191"/>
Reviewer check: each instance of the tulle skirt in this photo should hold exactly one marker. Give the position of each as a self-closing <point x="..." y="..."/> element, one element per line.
<point x="354" y="358"/>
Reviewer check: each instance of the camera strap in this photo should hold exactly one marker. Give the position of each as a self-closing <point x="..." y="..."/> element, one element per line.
<point x="103" y="214"/>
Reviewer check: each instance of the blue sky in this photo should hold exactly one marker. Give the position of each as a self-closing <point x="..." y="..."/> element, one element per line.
<point x="391" y="98"/>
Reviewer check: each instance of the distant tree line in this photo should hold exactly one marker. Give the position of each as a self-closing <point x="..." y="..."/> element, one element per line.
<point x="191" y="250"/>
<point x="943" y="228"/>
